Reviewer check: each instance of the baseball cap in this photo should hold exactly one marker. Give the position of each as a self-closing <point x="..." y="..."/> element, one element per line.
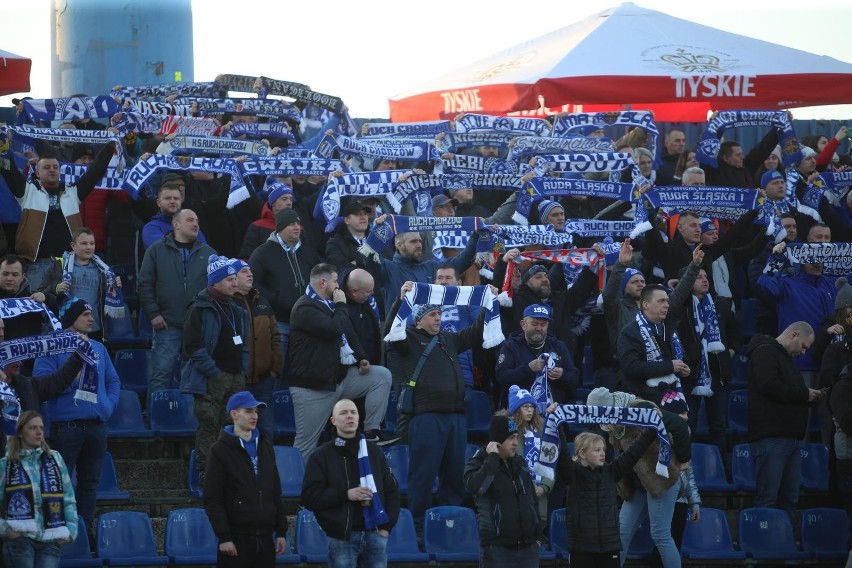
<point x="243" y="399"/>
<point x="441" y="200"/>
<point x="537" y="311"/>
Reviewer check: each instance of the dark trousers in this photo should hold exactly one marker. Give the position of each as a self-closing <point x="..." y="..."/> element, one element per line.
<point x="252" y="552"/>
<point x="716" y="407"/>
<point x="82" y="444"/>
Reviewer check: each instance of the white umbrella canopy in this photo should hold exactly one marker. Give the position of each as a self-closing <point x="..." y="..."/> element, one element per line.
<point x="630" y="56"/>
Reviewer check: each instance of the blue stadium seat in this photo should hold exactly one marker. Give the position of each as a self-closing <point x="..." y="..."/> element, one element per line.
<point x="642" y="546"/>
<point x="824" y="533"/>
<point x="289" y="556"/>
<point x="172" y="413"/>
<point x="402" y="543"/>
<point x="126" y="421"/>
<point x="703" y="426"/>
<point x="397" y="458"/>
<point x="291" y="470"/>
<point x="127" y="273"/>
<point x="77" y="554"/>
<point x="709" y="469"/>
<point x="189" y="537"/>
<point x="120" y="330"/>
<point x="195" y="489"/>
<point x="558" y="533"/>
<point x="477" y="412"/>
<point x="470" y="451"/>
<point x="451" y="534"/>
<point x="709" y="538"/>
<point x="132" y="366"/>
<point x="108" y="485"/>
<point x="742" y="468"/>
<point x="766" y="534"/>
<point x="125" y="538"/>
<point x="391" y="418"/>
<point x="311" y="541"/>
<point x="738" y="412"/>
<point x="285" y="416"/>
<point x="814" y="458"/>
<point x="739" y="368"/>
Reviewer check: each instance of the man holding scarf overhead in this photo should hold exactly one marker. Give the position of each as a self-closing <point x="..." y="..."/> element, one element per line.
<point x="79" y="415"/>
<point x="352" y="492"/>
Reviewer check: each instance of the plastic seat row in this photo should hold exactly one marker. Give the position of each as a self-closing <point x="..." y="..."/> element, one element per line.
<point x="738" y="414"/>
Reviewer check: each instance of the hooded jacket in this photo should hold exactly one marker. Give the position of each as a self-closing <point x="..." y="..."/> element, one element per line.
<point x="258" y="232"/>
<point x="777" y="395"/>
<point x="158" y="227"/>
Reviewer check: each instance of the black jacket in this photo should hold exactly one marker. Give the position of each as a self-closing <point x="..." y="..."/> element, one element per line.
<point x="313" y="356"/>
<point x="236" y="500"/>
<point x="32" y="391"/>
<point x="440" y="386"/>
<point x="726" y="175"/>
<point x="332" y="470"/>
<point x="777" y="395"/>
<point x="513" y="366"/>
<point x="341" y="250"/>
<point x="592" y="505"/>
<point x="505" y="500"/>
<point x="719" y="363"/>
<point x="635" y="369"/>
<point x="281" y="277"/>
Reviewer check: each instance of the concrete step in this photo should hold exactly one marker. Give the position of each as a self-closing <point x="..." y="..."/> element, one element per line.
<point x="152" y="474"/>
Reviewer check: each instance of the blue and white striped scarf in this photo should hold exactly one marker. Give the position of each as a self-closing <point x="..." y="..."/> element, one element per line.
<point x="584" y="415"/>
<point x="626" y="118"/>
<point x="141" y="123"/>
<point x="448" y="239"/>
<point x="462" y="163"/>
<point x="453" y="142"/>
<point x="69" y="108"/>
<point x="257" y="131"/>
<point x="362" y="184"/>
<point x="707" y="330"/>
<point x="579" y="163"/>
<point x="526" y="146"/>
<point x="709" y="146"/>
<point x="540" y="389"/>
<point x="472" y="122"/>
<point x="347" y="356"/>
<point x="437" y="295"/>
<point x="213" y="145"/>
<point x="374" y="515"/>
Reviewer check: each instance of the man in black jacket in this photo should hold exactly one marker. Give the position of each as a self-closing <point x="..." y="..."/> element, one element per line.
<point x="242" y="491"/>
<point x="356" y="520"/>
<point x="327" y="362"/>
<point x="437" y="432"/>
<point x="498" y="478"/>
<point x="778" y="414"/>
<point x="281" y="267"/>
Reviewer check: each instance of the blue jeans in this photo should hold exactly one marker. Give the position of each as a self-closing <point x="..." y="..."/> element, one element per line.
<point x="284" y="328"/>
<point x="436" y="444"/>
<point x="82" y="444"/>
<point x="778" y="472"/>
<point x="493" y="556"/>
<point x="165" y="353"/>
<point x="367" y="549"/>
<point x="262" y="391"/>
<point x="659" y="510"/>
<point x="23" y="552"/>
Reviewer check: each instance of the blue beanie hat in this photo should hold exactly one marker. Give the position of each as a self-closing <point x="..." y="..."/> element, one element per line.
<point x="519" y="397"/>
<point x="275" y="190"/>
<point x="708" y="225"/>
<point x="218" y="268"/>
<point x="533" y="270"/>
<point x="421" y="310"/>
<point x="545" y="206"/>
<point x="238" y="264"/>
<point x="768" y="177"/>
<point x="628" y="274"/>
<point x="589" y="128"/>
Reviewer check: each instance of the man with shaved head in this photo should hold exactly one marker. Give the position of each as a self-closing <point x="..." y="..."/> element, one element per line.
<point x="174" y="271"/>
<point x="352" y="492"/>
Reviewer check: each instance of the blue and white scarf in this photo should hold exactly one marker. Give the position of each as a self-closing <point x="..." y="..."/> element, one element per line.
<point x="515" y="236"/>
<point x="270" y="108"/>
<point x="707" y="330"/>
<point x="20" y="510"/>
<point x="712" y="202"/>
<point x="199" y="89"/>
<point x="11" y="409"/>
<point x="437" y="295"/>
<point x="213" y="145"/>
<point x="582" y="414"/>
<point x="428" y="128"/>
<point x="578" y="163"/>
<point x="540" y="389"/>
<point x="654" y="352"/>
<point x="113" y="295"/>
<point x="347" y="356"/>
<point x="472" y="122"/>
<point x="14" y="307"/>
<point x="384" y="148"/>
<point x="157" y="108"/>
<point x="292" y="163"/>
<point x="382" y="234"/>
<point x="836" y="258"/>
<point x="532" y="449"/>
<point x="453" y="142"/>
<point x="65" y="135"/>
<point x="832" y="185"/>
<point x="542" y="186"/>
<point x="145" y="169"/>
<point x="708" y="147"/>
<point x="448" y="239"/>
<point x="302" y="93"/>
<point x="141" y="123"/>
<point x="374" y="515"/>
<point x="70" y="174"/>
<point x="462" y="163"/>
<point x="69" y="108"/>
<point x="25" y="348"/>
<point x="527" y="146"/>
<point x="415" y="186"/>
<point x="362" y="184"/>
<point x="598" y="229"/>
<point x="626" y="118"/>
<point x="258" y="131"/>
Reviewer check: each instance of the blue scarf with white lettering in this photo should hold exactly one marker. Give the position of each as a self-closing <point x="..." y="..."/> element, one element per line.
<point x="428" y="129"/>
<point x="582" y="414"/>
<point x="644" y="119"/>
<point x="470" y="122"/>
<point x="708" y="148"/>
<point x="712" y="202"/>
<point x="374" y="515"/>
<point x="527" y="146"/>
<point x="382" y="234"/>
<point x="69" y="108"/>
<point x="140" y="123"/>
<point x="259" y="131"/>
<point x="706" y="327"/>
<point x="113" y="295"/>
<point x="381" y="148"/>
<point x="20" y="508"/>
